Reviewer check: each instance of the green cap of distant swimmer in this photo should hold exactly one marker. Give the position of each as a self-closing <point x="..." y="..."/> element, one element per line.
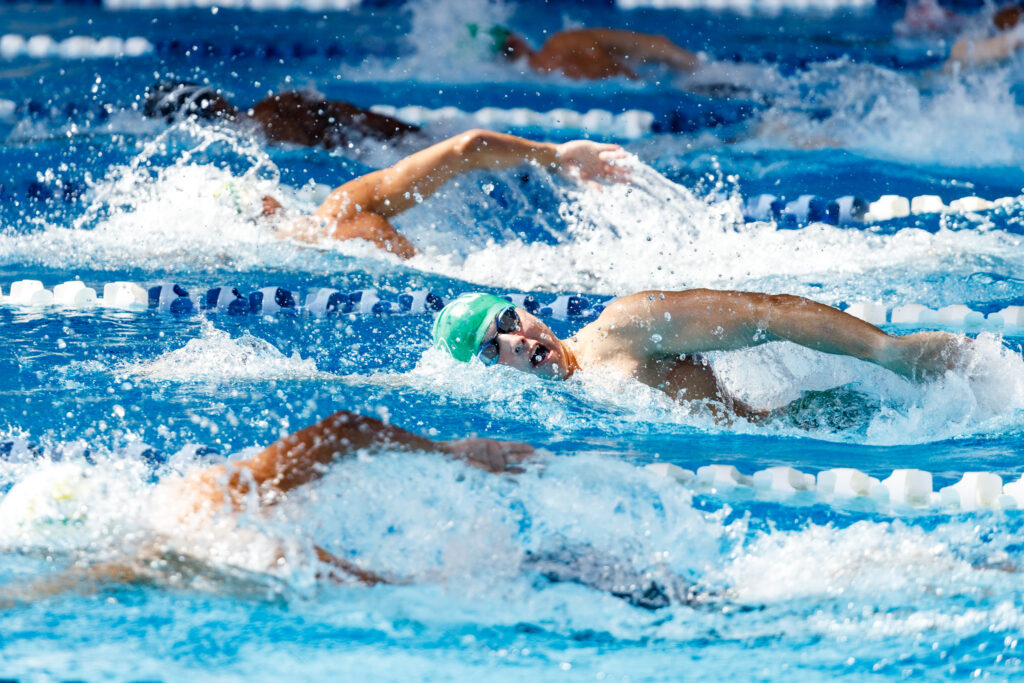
<point x="498" y="36"/>
<point x="461" y="325"/>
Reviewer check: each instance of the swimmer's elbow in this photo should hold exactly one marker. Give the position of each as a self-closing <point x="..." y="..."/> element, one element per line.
<point x="471" y="141"/>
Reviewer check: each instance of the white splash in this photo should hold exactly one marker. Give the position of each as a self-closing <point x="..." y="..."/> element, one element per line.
<point x="214" y="356"/>
<point x="654" y="233"/>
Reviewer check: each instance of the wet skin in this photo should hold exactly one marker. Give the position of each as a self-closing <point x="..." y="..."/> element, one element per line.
<point x="534" y="348"/>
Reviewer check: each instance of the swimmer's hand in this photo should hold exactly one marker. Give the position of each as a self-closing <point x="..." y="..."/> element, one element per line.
<point x="590" y="162"/>
<point x="489" y="455"/>
<point x="925" y="356"/>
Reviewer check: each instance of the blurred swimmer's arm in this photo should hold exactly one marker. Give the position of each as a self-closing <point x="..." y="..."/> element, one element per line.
<point x="994" y="49"/>
<point x="656" y="324"/>
<point x="307" y="454"/>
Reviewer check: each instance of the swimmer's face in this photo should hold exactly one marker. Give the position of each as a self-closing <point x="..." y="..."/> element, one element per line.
<point x="533" y="348"/>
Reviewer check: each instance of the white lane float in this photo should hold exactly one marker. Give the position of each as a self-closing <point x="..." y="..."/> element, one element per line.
<point x="15" y="46"/>
<point x="902" y="489"/>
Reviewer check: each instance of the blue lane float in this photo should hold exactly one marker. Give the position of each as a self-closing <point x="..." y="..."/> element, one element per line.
<point x="805" y="209"/>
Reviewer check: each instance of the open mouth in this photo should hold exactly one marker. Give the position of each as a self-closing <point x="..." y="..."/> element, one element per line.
<point x="539" y="355"/>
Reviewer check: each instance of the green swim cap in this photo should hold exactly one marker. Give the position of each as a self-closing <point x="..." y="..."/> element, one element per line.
<point x="497" y="33"/>
<point x="460" y="326"/>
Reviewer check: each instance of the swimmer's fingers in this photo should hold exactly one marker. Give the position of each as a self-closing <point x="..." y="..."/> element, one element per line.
<point x="592" y="161"/>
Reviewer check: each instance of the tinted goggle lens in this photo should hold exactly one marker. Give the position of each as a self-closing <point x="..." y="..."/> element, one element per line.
<point x="505" y="322"/>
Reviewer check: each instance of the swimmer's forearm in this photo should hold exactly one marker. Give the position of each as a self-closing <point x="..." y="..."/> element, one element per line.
<point x="393" y="190"/>
<point x="305" y="455"/>
<point x="981" y="51"/>
<point x="484" y="149"/>
<point x="709" y="320"/>
<point x="647" y="46"/>
<point x="919" y="356"/>
<point x="364" y="576"/>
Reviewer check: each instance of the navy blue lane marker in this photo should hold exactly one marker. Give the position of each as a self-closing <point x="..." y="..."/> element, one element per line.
<point x="805" y="209"/>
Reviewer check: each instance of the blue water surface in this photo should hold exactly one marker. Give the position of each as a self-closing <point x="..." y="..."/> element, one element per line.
<point x="790" y="588"/>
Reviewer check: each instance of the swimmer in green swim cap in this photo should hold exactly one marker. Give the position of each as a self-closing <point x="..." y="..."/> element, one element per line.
<point x="587" y="53"/>
<point x="657" y="338"/>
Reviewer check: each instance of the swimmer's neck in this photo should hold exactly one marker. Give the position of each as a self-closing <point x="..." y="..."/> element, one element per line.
<point x="569" y="352"/>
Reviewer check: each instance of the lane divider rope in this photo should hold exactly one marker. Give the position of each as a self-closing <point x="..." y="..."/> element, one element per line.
<point x="15" y="46"/>
<point x="748" y="6"/>
<point x="259" y="5"/>
<point x="169" y="297"/>
<point x="324" y="301"/>
<point x="904" y="488"/>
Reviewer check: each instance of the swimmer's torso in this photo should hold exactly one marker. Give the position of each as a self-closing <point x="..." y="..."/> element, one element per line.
<point x="628" y="350"/>
<point x="307" y="119"/>
<point x="579" y="54"/>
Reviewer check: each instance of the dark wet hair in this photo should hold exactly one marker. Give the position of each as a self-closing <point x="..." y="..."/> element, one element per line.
<point x="1008" y="17"/>
<point x="173" y="100"/>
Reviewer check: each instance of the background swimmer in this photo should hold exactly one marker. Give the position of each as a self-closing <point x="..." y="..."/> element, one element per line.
<point x="360" y="208"/>
<point x="296" y="117"/>
<point x="1009" y="37"/>
<point x="590" y="53"/>
<point x="657" y="338"/>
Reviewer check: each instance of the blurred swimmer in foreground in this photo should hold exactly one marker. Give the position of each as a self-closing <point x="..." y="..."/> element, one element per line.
<point x="296" y="117"/>
<point x="657" y="338"/>
<point x="1008" y="38"/>
<point x="189" y="512"/>
<point x="588" y="53"/>
<point x="361" y="208"/>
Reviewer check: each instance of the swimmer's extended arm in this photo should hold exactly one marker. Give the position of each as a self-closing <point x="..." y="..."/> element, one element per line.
<point x="362" y="207"/>
<point x="656" y="324"/>
<point x="994" y="49"/>
<point x="306" y="455"/>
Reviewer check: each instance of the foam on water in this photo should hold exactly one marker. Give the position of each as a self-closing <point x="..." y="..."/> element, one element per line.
<point x="465" y="539"/>
<point x="170" y="210"/>
<point x="966" y="122"/>
<point x="441" y="46"/>
<point x="214" y="356"/>
<point x="654" y="233"/>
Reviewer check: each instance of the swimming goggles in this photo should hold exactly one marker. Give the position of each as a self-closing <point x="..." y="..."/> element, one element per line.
<point x="505" y="322"/>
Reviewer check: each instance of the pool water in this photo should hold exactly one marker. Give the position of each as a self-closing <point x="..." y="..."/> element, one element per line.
<point x="789" y="587"/>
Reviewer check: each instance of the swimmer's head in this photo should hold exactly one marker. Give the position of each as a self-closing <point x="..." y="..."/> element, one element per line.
<point x="1008" y="17"/>
<point x="174" y="100"/>
<point x="500" y="41"/>
<point x="491" y="329"/>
